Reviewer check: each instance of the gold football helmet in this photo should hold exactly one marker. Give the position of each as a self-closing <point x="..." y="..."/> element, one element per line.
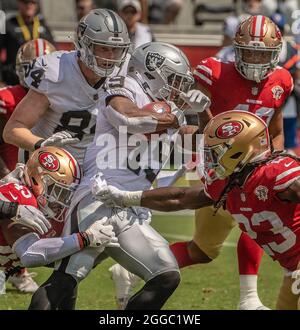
<point x="232" y="139"/>
<point x="28" y="52"/>
<point x="257" y="45"/>
<point x="53" y="174"/>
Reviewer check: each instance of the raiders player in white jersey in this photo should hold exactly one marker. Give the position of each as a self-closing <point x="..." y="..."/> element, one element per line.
<point x="65" y="87"/>
<point x="155" y="71"/>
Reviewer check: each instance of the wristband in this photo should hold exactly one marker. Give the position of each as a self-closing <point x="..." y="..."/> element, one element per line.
<point x="132" y="198"/>
<point x="38" y="144"/>
<point x="83" y="239"/>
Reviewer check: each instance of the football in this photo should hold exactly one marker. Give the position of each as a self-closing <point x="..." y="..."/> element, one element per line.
<point x="158" y="107"/>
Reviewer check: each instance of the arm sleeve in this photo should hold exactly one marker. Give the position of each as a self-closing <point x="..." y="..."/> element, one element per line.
<point x="36" y="252"/>
<point x="134" y="125"/>
<point x="207" y="72"/>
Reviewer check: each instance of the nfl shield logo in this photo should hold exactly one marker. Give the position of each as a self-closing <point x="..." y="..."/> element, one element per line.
<point x="154" y="61"/>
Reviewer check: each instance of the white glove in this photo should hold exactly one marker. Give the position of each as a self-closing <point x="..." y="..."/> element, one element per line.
<point x="30" y="216"/>
<point x="60" y="139"/>
<point x="112" y="196"/>
<point x="178" y="113"/>
<point x="196" y="100"/>
<point x="97" y="184"/>
<point x="101" y="235"/>
<point x="14" y="176"/>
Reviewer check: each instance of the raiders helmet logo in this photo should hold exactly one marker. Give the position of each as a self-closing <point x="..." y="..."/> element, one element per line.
<point x="49" y="161"/>
<point x="229" y="129"/>
<point x="154" y="61"/>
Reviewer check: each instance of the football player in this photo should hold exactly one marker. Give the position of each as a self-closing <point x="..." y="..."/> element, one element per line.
<point x="10" y="96"/>
<point x="259" y="187"/>
<point x="156" y="71"/>
<point x="44" y="192"/>
<point x="65" y="88"/>
<point x="254" y="83"/>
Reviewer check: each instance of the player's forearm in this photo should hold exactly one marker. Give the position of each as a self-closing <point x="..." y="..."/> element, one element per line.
<point x="15" y="133"/>
<point x="174" y="199"/>
<point x="140" y="122"/>
<point x="36" y="252"/>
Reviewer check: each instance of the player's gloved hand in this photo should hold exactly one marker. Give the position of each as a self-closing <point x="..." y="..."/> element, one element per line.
<point x="30" y="216"/>
<point x="178" y="113"/>
<point x="14" y="176"/>
<point x="196" y="100"/>
<point x="97" y="184"/>
<point x="101" y="235"/>
<point x="59" y="139"/>
<point x="112" y="196"/>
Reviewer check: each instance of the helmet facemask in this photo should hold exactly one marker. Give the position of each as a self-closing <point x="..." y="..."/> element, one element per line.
<point x="175" y="85"/>
<point x="267" y="59"/>
<point x="55" y="199"/>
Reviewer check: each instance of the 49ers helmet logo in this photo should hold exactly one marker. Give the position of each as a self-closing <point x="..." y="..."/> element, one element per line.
<point x="229" y="129"/>
<point x="49" y="161"/>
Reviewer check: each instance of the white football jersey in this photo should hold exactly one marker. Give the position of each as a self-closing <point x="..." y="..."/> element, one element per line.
<point x="110" y="149"/>
<point x="73" y="102"/>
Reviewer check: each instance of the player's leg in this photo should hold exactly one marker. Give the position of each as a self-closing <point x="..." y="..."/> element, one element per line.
<point x="289" y="294"/>
<point x="146" y="254"/>
<point x="249" y="259"/>
<point x="58" y="289"/>
<point x="210" y="233"/>
<point x="71" y="270"/>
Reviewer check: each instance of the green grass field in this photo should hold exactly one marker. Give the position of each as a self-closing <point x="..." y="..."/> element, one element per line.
<point x="211" y="286"/>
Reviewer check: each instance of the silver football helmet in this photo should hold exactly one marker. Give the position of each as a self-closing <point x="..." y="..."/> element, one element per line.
<point x="162" y="70"/>
<point x="102" y="41"/>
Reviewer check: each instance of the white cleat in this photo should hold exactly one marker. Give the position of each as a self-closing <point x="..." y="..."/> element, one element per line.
<point x="24" y="282"/>
<point x="124" y="282"/>
<point x="252" y="304"/>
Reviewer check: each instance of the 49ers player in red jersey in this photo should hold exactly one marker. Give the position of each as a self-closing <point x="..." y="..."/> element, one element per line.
<point x="258" y="187"/>
<point x="10" y="97"/>
<point x="252" y="83"/>
<point x="50" y="177"/>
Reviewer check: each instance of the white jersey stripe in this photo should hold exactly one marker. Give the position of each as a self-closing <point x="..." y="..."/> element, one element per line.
<point x="205" y="68"/>
<point x="201" y="76"/>
<point x="286" y="173"/>
<point x="286" y="184"/>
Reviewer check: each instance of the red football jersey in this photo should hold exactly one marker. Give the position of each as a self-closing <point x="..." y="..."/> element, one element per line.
<point x="9" y="98"/>
<point x="231" y="91"/>
<point x="271" y="222"/>
<point x="20" y="194"/>
<point x="12" y="192"/>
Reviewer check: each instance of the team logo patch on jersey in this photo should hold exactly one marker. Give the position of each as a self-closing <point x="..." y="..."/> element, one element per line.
<point x="154" y="61"/>
<point x="262" y="193"/>
<point x="277" y="92"/>
<point x="229" y="129"/>
<point x="49" y="161"/>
